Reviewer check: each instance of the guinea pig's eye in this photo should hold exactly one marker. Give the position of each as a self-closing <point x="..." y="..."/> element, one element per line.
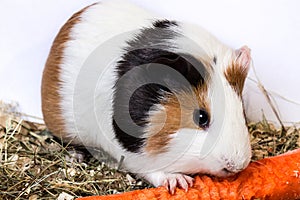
<point x="201" y="118"/>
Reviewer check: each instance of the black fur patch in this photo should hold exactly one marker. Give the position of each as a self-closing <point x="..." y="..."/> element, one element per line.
<point x="146" y="73"/>
<point x="164" y="23"/>
<point x="215" y="59"/>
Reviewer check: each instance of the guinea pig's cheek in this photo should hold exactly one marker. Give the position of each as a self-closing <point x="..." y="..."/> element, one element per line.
<point x="188" y="141"/>
<point x="160" y="142"/>
<point x="160" y="130"/>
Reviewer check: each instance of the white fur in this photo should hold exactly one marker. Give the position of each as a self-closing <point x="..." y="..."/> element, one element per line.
<point x="99" y="24"/>
<point x="87" y="95"/>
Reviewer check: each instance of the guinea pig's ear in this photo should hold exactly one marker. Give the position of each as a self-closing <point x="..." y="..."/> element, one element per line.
<point x="237" y="71"/>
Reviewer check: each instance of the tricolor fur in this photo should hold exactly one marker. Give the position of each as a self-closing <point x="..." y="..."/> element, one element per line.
<point x="166" y="139"/>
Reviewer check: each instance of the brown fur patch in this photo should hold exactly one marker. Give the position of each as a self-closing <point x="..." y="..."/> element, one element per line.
<point x="236" y="77"/>
<point x="177" y="113"/>
<point x="237" y="72"/>
<point x="51" y="83"/>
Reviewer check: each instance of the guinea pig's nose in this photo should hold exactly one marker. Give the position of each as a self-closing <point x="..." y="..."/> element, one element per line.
<point x="231" y="168"/>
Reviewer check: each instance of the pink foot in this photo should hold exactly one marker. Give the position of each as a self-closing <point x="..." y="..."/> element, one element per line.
<point x="170" y="181"/>
<point x="180" y="180"/>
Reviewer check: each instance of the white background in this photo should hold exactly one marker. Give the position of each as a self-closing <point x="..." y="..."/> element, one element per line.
<point x="271" y="28"/>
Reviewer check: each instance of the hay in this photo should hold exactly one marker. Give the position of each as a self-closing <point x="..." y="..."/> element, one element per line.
<point x="36" y="166"/>
<point x="267" y="140"/>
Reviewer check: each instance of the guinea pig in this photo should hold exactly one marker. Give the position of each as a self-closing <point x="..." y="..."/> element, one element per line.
<point x="164" y="95"/>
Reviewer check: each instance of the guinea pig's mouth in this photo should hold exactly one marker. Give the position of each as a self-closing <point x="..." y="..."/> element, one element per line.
<point x="227" y="172"/>
<point x="223" y="173"/>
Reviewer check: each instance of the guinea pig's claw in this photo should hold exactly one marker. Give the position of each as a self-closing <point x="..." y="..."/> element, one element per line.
<point x="173" y="180"/>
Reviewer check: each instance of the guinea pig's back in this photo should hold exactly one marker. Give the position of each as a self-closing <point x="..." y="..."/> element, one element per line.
<point x="67" y="81"/>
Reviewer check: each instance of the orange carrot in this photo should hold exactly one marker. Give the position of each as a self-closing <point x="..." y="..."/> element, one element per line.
<point x="270" y="178"/>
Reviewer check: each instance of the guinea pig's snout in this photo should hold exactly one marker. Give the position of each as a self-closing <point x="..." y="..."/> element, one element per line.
<point x="231" y="167"/>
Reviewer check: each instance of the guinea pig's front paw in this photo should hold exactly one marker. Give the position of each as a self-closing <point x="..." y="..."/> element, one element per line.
<point x="170" y="180"/>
